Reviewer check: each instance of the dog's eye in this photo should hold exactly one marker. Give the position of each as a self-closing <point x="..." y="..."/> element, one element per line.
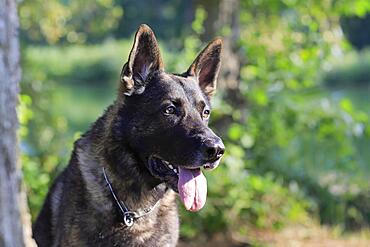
<point x="170" y="110"/>
<point x="206" y="113"/>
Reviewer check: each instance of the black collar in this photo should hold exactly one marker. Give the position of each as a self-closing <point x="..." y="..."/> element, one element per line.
<point x="129" y="216"/>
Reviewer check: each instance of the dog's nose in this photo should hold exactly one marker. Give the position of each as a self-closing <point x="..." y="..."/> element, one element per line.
<point x="213" y="150"/>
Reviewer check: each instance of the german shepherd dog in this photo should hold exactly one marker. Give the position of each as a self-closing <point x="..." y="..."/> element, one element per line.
<point x="153" y="142"/>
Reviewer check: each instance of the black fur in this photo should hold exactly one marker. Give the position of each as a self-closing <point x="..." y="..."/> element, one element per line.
<point x="79" y="209"/>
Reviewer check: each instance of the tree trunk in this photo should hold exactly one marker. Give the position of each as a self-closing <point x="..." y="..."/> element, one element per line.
<point x="223" y="19"/>
<point x="14" y="222"/>
<point x="228" y="22"/>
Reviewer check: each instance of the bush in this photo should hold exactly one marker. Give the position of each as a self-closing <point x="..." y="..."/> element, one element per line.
<point x="239" y="201"/>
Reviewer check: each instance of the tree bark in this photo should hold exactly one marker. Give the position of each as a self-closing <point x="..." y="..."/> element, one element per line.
<point x="223" y="19"/>
<point x="13" y="205"/>
<point x="228" y="19"/>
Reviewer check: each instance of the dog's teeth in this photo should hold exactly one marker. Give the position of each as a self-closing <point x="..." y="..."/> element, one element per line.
<point x="175" y="170"/>
<point x="166" y="162"/>
<point x="170" y="166"/>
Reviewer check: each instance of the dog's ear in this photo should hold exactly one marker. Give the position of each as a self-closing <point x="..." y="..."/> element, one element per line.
<point x="207" y="66"/>
<point x="144" y="59"/>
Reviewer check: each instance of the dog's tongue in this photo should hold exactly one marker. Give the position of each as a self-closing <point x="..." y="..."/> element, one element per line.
<point x="192" y="188"/>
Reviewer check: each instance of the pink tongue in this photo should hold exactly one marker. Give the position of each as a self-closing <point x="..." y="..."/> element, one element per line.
<point x="192" y="188"/>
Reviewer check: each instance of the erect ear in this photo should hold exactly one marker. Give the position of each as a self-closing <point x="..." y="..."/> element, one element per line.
<point x="144" y="59"/>
<point x="207" y="66"/>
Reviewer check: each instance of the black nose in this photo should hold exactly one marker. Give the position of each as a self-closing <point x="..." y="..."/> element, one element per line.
<point x="213" y="150"/>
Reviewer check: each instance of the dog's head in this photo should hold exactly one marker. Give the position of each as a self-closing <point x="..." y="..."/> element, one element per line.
<point x="164" y="117"/>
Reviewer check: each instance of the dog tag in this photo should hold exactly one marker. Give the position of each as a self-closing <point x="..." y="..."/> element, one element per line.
<point x="128" y="219"/>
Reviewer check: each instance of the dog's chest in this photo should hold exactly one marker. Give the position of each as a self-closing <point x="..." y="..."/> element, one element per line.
<point x="159" y="228"/>
<point x="162" y="230"/>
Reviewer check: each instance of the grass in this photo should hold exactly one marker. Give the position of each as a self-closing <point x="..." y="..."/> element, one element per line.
<point x="307" y="235"/>
<point x="313" y="235"/>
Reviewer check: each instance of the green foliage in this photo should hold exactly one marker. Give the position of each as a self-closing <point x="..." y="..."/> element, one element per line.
<point x="69" y="21"/>
<point x="293" y="128"/>
<point x="44" y="144"/>
<point x="239" y="201"/>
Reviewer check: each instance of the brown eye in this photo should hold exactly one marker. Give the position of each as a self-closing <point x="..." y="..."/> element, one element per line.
<point x="170" y="110"/>
<point x="206" y="113"/>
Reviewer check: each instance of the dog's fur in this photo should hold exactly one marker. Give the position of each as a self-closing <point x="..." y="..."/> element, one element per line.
<point x="79" y="209"/>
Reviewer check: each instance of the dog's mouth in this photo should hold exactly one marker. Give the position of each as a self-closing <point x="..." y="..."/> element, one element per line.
<point x="188" y="181"/>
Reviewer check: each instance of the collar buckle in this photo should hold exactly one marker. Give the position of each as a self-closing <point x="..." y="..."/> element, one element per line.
<point x="128" y="218"/>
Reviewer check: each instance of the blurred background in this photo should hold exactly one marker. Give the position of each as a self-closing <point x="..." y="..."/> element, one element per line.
<point x="293" y="107"/>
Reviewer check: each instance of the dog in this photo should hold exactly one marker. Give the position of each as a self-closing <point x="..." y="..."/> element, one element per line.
<point x="151" y="144"/>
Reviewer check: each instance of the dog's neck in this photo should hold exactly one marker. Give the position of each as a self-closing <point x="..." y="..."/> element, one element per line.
<point x="130" y="216"/>
<point x="132" y="181"/>
<point x="131" y="186"/>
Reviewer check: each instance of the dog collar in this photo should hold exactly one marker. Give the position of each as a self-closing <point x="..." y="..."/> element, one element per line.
<point x="129" y="216"/>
